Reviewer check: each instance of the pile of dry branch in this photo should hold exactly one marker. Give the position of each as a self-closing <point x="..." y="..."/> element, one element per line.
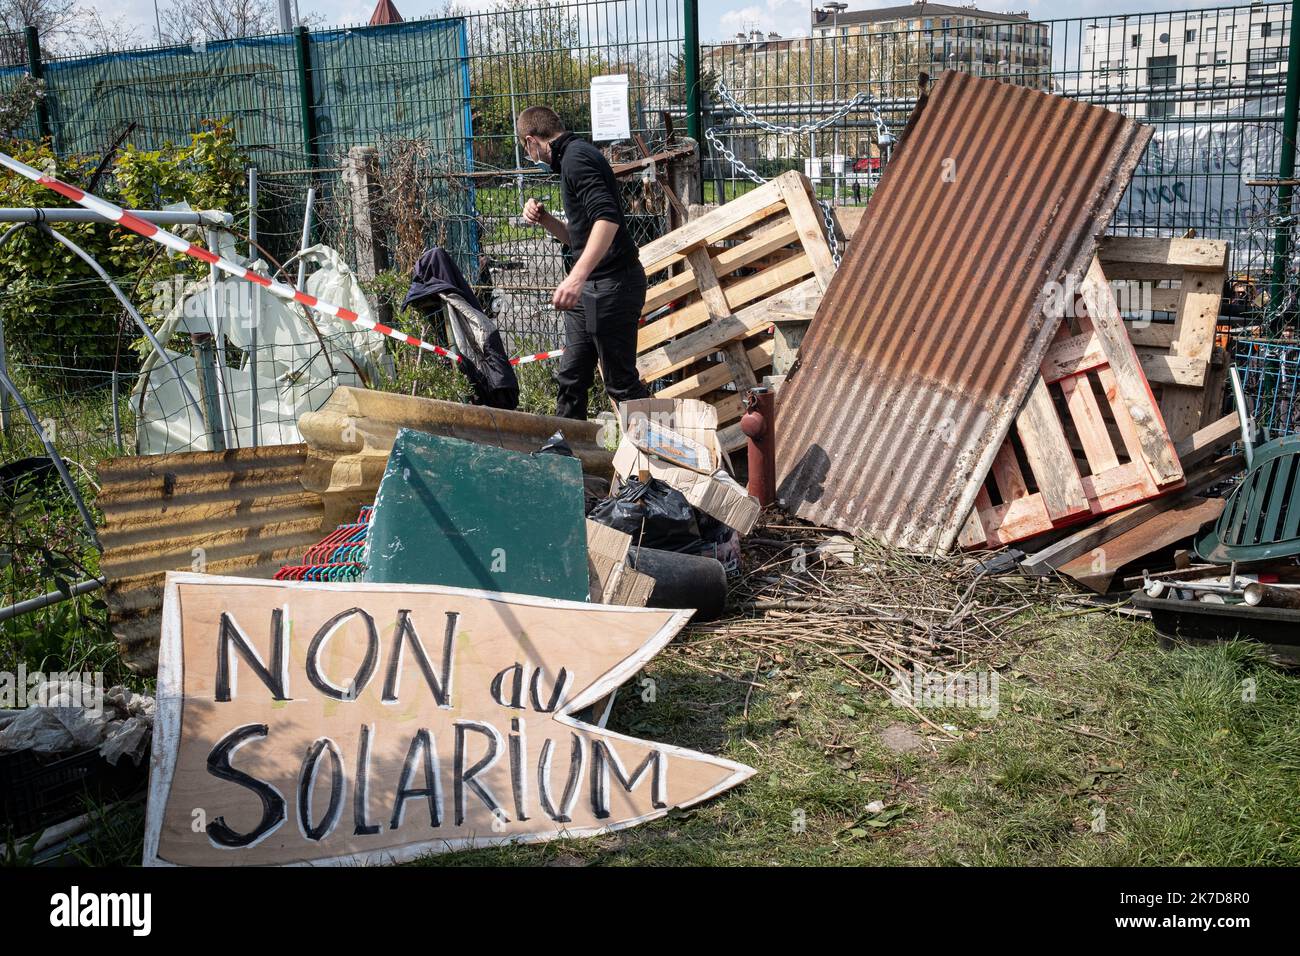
<point x="879" y="612"/>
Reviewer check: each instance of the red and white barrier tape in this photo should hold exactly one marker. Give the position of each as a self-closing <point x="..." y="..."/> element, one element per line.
<point x="177" y="244"/>
<point x="278" y="289"/>
<point x="537" y="357"/>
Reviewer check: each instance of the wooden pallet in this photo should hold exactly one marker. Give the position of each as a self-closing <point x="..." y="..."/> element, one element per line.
<point x="1187" y="371"/>
<point x="1090" y="439"/>
<point x="730" y="273"/>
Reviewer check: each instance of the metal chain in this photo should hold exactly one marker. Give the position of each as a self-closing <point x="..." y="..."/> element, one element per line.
<point x="882" y="131"/>
<point x="883" y="138"/>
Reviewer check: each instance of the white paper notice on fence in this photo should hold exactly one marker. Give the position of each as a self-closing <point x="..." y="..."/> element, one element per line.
<point x="609" y="112"/>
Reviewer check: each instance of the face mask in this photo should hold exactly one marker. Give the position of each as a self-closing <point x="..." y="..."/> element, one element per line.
<point x="543" y="165"/>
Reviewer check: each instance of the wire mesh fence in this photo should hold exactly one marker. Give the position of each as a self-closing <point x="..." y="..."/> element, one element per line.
<point x="1270" y="372"/>
<point x="1211" y="82"/>
<point x="436" y="101"/>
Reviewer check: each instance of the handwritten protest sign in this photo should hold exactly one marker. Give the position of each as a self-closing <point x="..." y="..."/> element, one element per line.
<point x="327" y="723"/>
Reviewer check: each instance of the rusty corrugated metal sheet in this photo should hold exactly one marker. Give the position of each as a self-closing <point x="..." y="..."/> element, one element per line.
<point x="238" y="512"/>
<point x="930" y="334"/>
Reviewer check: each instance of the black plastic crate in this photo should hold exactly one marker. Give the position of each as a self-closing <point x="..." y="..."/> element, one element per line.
<point x="38" y="790"/>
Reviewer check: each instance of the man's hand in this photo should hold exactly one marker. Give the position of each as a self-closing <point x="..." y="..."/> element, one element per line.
<point x="567" y="293"/>
<point x="534" y="212"/>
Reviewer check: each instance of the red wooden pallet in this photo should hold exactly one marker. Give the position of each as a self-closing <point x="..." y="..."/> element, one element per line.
<point x="1089" y="440"/>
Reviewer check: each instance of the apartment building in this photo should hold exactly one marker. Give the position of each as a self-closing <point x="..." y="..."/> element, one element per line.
<point x="1168" y="66"/>
<point x="880" y="51"/>
<point x="946" y="37"/>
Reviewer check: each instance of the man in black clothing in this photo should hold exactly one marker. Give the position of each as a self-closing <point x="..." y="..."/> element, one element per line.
<point x="604" y="292"/>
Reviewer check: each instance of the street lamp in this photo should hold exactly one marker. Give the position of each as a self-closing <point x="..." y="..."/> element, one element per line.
<point x="835" y="9"/>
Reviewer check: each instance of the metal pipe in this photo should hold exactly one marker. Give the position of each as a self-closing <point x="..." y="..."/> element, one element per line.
<point x="36" y="66"/>
<point x="117" y="416"/>
<point x="226" y="409"/>
<point x="59" y="465"/>
<point x="206" y="372"/>
<point x="306" y="113"/>
<point x="1155" y="588"/>
<point x="1243" y="413"/>
<point x="691" y="65"/>
<point x="758" y="423"/>
<point x="255" y="426"/>
<point x="1290" y="119"/>
<point x="159" y="217"/>
<point x="91" y="261"/>
<point x="835" y="9"/>
<point x="1272" y="595"/>
<point x="4" y="355"/>
<point x="45" y="600"/>
<point x="305" y="242"/>
<point x="514" y="121"/>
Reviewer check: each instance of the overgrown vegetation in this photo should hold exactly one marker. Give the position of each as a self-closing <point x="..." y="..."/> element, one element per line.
<point x="58" y="316"/>
<point x="44" y="548"/>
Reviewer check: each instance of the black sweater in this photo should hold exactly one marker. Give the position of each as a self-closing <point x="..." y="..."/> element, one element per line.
<point x="590" y="194"/>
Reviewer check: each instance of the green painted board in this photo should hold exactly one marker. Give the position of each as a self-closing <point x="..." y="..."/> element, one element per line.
<point x="475" y="516"/>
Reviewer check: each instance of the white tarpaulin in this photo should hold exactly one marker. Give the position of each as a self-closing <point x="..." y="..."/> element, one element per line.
<point x="301" y="358"/>
<point x="1196" y="174"/>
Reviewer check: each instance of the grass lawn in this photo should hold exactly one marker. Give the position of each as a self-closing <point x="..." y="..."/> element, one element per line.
<point x="1106" y="750"/>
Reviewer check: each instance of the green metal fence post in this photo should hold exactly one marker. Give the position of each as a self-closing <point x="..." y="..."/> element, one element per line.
<point x="38" y="73"/>
<point x="1290" y="113"/>
<point x="691" y="11"/>
<point x="302" y="46"/>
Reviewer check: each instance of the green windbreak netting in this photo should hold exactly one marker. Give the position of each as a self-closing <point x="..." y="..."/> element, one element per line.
<point x="406" y="80"/>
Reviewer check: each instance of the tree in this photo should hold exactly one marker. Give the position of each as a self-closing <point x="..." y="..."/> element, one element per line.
<point x="97" y="34"/>
<point x="55" y="22"/>
<point x="185" y="20"/>
<point x="677" y="81"/>
<point x="549" y="60"/>
<point x="17" y="103"/>
<point x="64" y="27"/>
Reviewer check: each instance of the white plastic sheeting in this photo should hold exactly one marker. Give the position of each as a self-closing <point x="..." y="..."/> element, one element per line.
<point x="1198" y="173"/>
<point x="301" y="357"/>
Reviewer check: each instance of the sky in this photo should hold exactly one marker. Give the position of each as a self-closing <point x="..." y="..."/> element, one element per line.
<point x="718" y="18"/>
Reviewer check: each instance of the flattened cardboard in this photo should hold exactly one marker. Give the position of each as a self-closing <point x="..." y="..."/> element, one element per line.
<point x="364" y="732"/>
<point x="612" y="581"/>
<point x="717" y="495"/>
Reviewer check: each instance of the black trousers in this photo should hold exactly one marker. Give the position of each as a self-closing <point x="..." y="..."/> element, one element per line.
<point x="602" y="326"/>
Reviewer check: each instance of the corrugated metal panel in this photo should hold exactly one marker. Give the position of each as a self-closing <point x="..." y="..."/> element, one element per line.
<point x="931" y="331"/>
<point x="238" y="512"/>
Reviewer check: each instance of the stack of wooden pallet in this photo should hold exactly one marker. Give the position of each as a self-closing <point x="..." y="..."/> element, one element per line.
<point x="728" y="274"/>
<point x="1185" y="279"/>
<point x="1123" y="431"/>
<point x="1124" y="420"/>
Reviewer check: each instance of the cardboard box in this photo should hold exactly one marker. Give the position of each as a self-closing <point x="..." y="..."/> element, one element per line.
<point x="612" y="581"/>
<point x="718" y="494"/>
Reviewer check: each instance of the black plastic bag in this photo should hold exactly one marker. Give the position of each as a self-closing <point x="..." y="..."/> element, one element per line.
<point x="719" y="541"/>
<point x="655" y="514"/>
<point x="557" y="444"/>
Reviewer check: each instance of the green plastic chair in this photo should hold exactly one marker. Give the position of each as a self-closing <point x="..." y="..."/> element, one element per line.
<point x="1261" y="520"/>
